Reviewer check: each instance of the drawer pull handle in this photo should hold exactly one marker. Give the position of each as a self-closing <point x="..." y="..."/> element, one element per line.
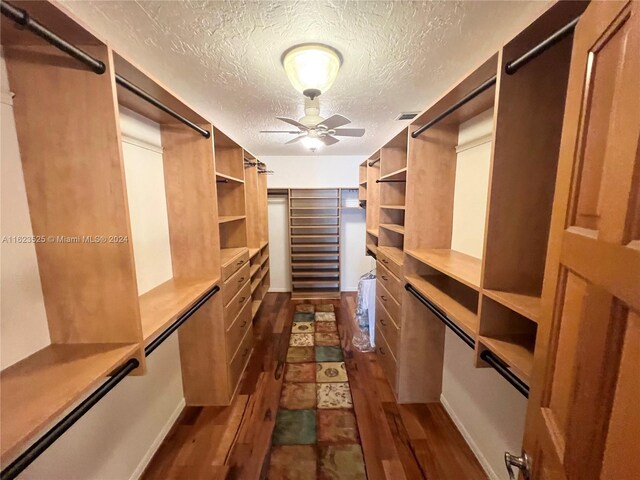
<point x="241" y="280"/>
<point x="381" y="350"/>
<point x="240" y="262"/>
<point x="384" y="260"/>
<point x="384" y="278"/>
<point x="246" y="350"/>
<point x="384" y="299"/>
<point x="242" y="299"/>
<point x="243" y="324"/>
<point x="382" y="322"/>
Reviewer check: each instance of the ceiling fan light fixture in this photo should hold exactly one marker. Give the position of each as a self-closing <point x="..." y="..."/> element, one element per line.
<point x="311" y="67"/>
<point x="312" y="143"/>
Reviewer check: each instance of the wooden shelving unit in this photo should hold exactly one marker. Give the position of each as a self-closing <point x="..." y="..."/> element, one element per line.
<point x="373" y="203"/>
<point x="314" y="235"/>
<point x="362" y="183"/>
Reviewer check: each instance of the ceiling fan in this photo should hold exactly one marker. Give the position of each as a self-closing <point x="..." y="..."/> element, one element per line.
<point x="315" y="131"/>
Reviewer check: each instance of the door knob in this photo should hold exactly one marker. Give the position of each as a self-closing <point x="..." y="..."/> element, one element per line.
<point x="523" y="463"/>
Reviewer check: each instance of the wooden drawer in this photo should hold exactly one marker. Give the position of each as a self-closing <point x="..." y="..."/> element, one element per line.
<point x="239" y="362"/>
<point x="235" y="283"/>
<point x="235" y="265"/>
<point x="386" y="359"/>
<point x="235" y="305"/>
<point x="386" y="261"/>
<point x="238" y="329"/>
<point x="388" y="327"/>
<point x="385" y="298"/>
<point x="390" y="282"/>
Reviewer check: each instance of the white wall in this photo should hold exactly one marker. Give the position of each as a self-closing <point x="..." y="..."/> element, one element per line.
<point x="488" y="411"/>
<point x="116" y="439"/>
<point x="320" y="172"/>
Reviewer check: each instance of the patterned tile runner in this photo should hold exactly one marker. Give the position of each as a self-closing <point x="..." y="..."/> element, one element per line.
<point x="316" y="435"/>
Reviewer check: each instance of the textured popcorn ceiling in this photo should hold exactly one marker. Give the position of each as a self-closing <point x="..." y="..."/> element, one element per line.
<point x="224" y="57"/>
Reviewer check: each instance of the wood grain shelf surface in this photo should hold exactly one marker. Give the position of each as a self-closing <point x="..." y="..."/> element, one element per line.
<point x="459" y="266"/>
<point x="222" y="176"/>
<point x="516" y="350"/>
<point x="36" y="390"/>
<point x="165" y="303"/>
<point x="315" y="273"/>
<point x="318" y="264"/>
<point x="255" y="284"/>
<point x="373" y="247"/>
<point x="263" y="244"/>
<point x="255" y="306"/>
<point x="314" y="198"/>
<point x="228" y="255"/>
<point x="264" y="260"/>
<point x="374" y="232"/>
<point x="526" y="305"/>
<point x="393" y="207"/>
<point x="254" y="269"/>
<point x="253" y="252"/>
<point x="230" y="218"/>
<point x="400" y="174"/>
<point x="434" y="291"/>
<point x="314" y="255"/>
<point x="393" y="227"/>
<point x="264" y="273"/>
<point x="394" y="253"/>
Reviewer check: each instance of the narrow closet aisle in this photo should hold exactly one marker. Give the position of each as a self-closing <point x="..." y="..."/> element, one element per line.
<point x="319" y="240"/>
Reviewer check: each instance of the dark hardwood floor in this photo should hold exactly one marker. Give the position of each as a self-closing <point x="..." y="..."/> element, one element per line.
<point x="399" y="441"/>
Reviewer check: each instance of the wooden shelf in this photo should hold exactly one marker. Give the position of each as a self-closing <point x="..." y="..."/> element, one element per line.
<point x="255" y="284"/>
<point x="459" y="266"/>
<point x="362" y="184"/>
<point x="393" y="227"/>
<point x="253" y="252"/>
<point x="435" y="290"/>
<point x="374" y="232"/>
<point x="316" y="245"/>
<point x="320" y="283"/>
<point x="264" y="273"/>
<point x="373" y="247"/>
<point x="394" y="253"/>
<point x="315" y="273"/>
<point x="165" y="303"/>
<point x="255" y="306"/>
<point x="396" y="175"/>
<point x="526" y="305"/>
<point x="228" y="255"/>
<point x="263" y="244"/>
<point x="36" y="390"/>
<point x="222" y="176"/>
<point x="315" y="255"/>
<point x="254" y="268"/>
<point x="230" y="218"/>
<point x="314" y="198"/>
<point x="516" y="350"/>
<point x="264" y="260"/>
<point x="393" y="207"/>
<point x="318" y="264"/>
<point x="306" y="235"/>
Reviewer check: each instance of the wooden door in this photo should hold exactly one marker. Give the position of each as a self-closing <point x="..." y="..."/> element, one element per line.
<point x="584" y="414"/>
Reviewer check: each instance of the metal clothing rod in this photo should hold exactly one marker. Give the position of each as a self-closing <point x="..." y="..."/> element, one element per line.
<point x="468" y="97"/>
<point x="390" y="181"/>
<point x="503" y="370"/>
<point x="178" y="323"/>
<point x="120" y="80"/>
<point x="372" y="163"/>
<point x="514" y="65"/>
<point x="22" y="18"/>
<point x="44" y="442"/>
<point x="222" y="181"/>
<point x="372" y="254"/>
<point x="441" y="316"/>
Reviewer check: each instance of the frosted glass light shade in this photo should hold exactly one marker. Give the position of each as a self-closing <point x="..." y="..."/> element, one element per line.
<point x="311" y="68"/>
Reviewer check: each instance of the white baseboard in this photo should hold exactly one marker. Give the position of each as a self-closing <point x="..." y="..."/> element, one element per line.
<point x="279" y="290"/>
<point x="137" y="473"/>
<point x="470" y="441"/>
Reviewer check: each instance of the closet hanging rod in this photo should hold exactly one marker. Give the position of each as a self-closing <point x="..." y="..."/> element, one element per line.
<point x="499" y="366"/>
<point x="46" y="440"/>
<point x="468" y="97"/>
<point x="375" y="257"/>
<point x="514" y="65"/>
<point x="441" y="316"/>
<point x="390" y="181"/>
<point x="22" y="18"/>
<point x="373" y="162"/>
<point x="120" y="80"/>
<point x="222" y="181"/>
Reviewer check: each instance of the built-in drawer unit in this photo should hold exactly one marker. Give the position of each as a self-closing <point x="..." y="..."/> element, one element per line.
<point x="235" y="264"/>
<point x="237" y="364"/>
<point x="387" y="261"/>
<point x="386" y="358"/>
<point x="388" y="327"/>
<point x="234" y="283"/>
<point x="235" y="305"/>
<point x="390" y="282"/>
<point x="385" y="299"/>
<point x="238" y="329"/>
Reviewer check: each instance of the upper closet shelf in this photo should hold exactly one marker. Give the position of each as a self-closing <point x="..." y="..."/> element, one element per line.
<point x="526" y="305"/>
<point x="459" y="266"/>
<point x="165" y="303"/>
<point x="230" y="218"/>
<point x="227" y="178"/>
<point x="400" y="174"/>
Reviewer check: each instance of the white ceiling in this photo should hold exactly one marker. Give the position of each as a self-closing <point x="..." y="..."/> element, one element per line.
<point x="223" y="57"/>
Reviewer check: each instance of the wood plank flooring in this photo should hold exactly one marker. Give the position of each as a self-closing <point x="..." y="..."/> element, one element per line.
<point x="399" y="441"/>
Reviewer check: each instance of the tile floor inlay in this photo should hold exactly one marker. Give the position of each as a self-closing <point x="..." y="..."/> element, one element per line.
<point x="316" y="434"/>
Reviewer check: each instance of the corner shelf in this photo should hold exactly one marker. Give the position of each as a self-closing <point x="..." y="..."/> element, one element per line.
<point x="526" y="305"/>
<point x="36" y="390"/>
<point x="459" y="266"/>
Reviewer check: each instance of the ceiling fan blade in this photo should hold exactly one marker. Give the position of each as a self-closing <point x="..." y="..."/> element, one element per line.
<point x="349" y="132"/>
<point x="329" y="140"/>
<point x="297" y="139"/>
<point x="294" y="132"/>
<point x="335" y="121"/>
<point x="293" y="122"/>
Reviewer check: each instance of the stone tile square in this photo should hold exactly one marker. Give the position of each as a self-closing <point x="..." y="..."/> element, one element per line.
<point x="325" y="317"/>
<point x="295" y="427"/>
<point x="302" y="327"/>
<point x="304" y="317"/>
<point x="300" y="372"/>
<point x="327" y="307"/>
<point x="305" y="308"/>
<point x="341" y="462"/>
<point x="337" y="426"/>
<point x="331" y="372"/>
<point x="327" y="339"/>
<point x="326" y="327"/>
<point x="293" y="462"/>
<point x="329" y="354"/>
<point x="334" y="395"/>
<point x="300" y="355"/>
<point x="298" y="396"/>
<point x="301" y="340"/>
